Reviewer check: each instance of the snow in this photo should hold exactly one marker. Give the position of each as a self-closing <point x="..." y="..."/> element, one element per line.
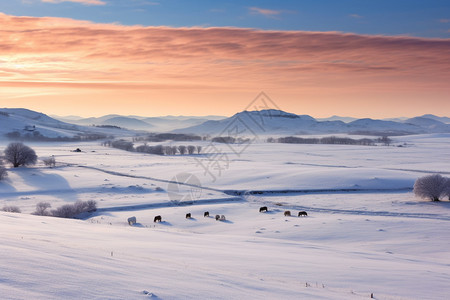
<point x="365" y="231"/>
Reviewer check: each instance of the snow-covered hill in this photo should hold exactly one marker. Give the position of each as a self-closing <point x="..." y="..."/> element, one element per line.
<point x="24" y="122"/>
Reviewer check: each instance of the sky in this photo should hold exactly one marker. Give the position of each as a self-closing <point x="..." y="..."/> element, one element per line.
<point x="357" y="58"/>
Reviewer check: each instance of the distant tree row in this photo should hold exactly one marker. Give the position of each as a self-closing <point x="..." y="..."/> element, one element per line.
<point x="162" y="137"/>
<point x="157" y="149"/>
<point x="330" y="140"/>
<point x="433" y="187"/>
<point x="229" y="140"/>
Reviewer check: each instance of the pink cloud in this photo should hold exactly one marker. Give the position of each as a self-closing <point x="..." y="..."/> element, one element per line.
<point x="264" y="12"/>
<point x="69" y="54"/>
<point x="85" y="2"/>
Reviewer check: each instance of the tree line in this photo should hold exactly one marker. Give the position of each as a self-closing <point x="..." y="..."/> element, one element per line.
<point x="331" y="140"/>
<point x="156" y="149"/>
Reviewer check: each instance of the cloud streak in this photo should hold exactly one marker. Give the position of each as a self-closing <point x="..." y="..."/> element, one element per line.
<point x="69" y="54"/>
<point x="85" y="2"/>
<point x="265" y="12"/>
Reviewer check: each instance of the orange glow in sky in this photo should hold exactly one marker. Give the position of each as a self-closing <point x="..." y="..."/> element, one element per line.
<point x="69" y="67"/>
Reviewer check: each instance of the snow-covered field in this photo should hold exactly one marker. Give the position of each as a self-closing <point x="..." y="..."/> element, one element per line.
<point x="365" y="231"/>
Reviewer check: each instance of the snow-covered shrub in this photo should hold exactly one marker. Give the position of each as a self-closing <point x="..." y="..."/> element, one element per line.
<point x="72" y="210"/>
<point x="49" y="162"/>
<point x="65" y="211"/>
<point x="41" y="209"/>
<point x="19" y="154"/>
<point x="432" y="187"/>
<point x="13" y="209"/>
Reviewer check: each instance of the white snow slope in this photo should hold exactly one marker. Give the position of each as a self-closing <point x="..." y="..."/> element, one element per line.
<point x="365" y="231"/>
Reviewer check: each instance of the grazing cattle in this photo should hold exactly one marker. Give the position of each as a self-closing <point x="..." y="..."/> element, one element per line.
<point x="217" y="217"/>
<point x="287" y="213"/>
<point x="302" y="214"/>
<point x="206" y="214"/>
<point x="188" y="216"/>
<point x="131" y="221"/>
<point x="157" y="219"/>
<point x="222" y="218"/>
<point x="263" y="209"/>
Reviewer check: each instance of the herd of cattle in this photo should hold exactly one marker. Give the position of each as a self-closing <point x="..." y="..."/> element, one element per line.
<point x="287" y="213"/>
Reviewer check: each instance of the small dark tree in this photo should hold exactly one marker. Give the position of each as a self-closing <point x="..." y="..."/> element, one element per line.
<point x="41" y="209"/>
<point x="19" y="154"/>
<point x="182" y="149"/>
<point x="199" y="149"/>
<point x="191" y="149"/>
<point x="432" y="187"/>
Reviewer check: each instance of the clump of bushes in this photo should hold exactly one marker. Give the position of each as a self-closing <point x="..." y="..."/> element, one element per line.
<point x="13" y="209"/>
<point x="72" y="210"/>
<point x="67" y="210"/>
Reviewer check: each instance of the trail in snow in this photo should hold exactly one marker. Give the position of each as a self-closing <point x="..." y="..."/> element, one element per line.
<point x="169" y="204"/>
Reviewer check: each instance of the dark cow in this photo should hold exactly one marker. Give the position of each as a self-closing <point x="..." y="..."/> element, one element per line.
<point x="263" y="209"/>
<point x="302" y="214"/>
<point x="287" y="213"/>
<point x="157" y="219"/>
<point x="217" y="217"/>
<point x="206" y="214"/>
<point x="188" y="216"/>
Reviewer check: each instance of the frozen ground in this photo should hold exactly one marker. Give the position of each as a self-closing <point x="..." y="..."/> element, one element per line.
<point x="365" y="232"/>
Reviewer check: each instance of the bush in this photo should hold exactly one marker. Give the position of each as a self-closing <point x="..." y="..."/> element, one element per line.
<point x="72" y="210"/>
<point x="432" y="187"/>
<point x="41" y="209"/>
<point x="49" y="162"/>
<point x="13" y="209"/>
<point x="19" y="154"/>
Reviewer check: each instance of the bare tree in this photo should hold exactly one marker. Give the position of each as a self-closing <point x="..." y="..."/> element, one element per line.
<point x="199" y="149"/>
<point x="447" y="188"/>
<point x="191" y="149"/>
<point x="174" y="150"/>
<point x="19" y="154"/>
<point x="41" y="209"/>
<point x="432" y="187"/>
<point x="182" y="149"/>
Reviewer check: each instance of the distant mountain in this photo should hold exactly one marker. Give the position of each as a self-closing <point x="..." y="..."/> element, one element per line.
<point x="155" y="124"/>
<point x="126" y="122"/>
<point x="445" y="120"/>
<point x="431" y="124"/>
<point x="337" y="118"/>
<point x="277" y="122"/>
